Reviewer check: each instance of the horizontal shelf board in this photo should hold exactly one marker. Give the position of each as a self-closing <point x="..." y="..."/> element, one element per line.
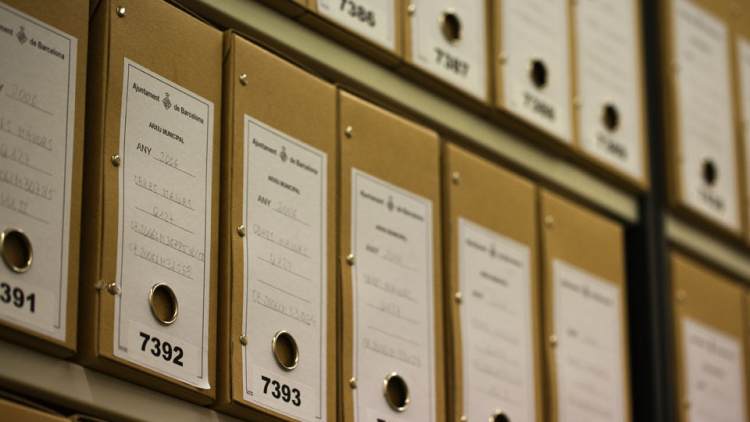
<point x="70" y="385"/>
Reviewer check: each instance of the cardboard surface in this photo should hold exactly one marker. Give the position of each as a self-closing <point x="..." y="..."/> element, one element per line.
<point x="188" y="52"/>
<point x="433" y="80"/>
<point x="591" y="242"/>
<point x="506" y="204"/>
<point x="406" y="155"/>
<point x="275" y="90"/>
<point x="740" y="25"/>
<point x="12" y="411"/>
<point x="70" y="17"/>
<point x="643" y="183"/>
<point x="355" y="41"/>
<point x="720" y="9"/>
<point x="747" y="344"/>
<point x="707" y="297"/>
<point x="497" y="73"/>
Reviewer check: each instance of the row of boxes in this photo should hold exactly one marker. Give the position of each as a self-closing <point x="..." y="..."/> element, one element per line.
<point x="225" y="194"/>
<point x="574" y="70"/>
<point x="256" y="239"/>
<point x="705" y="82"/>
<point x="570" y="72"/>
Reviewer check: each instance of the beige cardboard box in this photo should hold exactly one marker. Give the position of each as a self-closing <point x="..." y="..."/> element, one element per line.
<point x="534" y="74"/>
<point x="490" y="228"/>
<point x="447" y="46"/>
<point x="583" y="266"/>
<point x="703" y="163"/>
<point x="41" y="148"/>
<point x="392" y="296"/>
<point x="371" y="27"/>
<point x="279" y="129"/>
<point x="708" y="323"/>
<point x="609" y="109"/>
<point x="740" y="48"/>
<point x="13" y="411"/>
<point x="149" y="286"/>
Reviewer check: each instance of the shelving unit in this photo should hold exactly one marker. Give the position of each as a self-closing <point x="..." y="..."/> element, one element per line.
<point x="649" y="227"/>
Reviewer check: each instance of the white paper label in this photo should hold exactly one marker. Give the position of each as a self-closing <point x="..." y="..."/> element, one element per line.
<point x="714" y="374"/>
<point x="743" y="61"/>
<point x="463" y="62"/>
<point x="37" y="113"/>
<point x="373" y="19"/>
<point x="704" y="114"/>
<point x="285" y="269"/>
<point x="609" y="78"/>
<point x="164" y="234"/>
<point x="392" y="289"/>
<point x="537" y="31"/>
<point x="496" y="325"/>
<point x="588" y="355"/>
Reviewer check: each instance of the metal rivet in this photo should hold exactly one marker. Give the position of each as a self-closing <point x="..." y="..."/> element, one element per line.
<point x="503" y="58"/>
<point x="411" y="9"/>
<point x="116" y="160"/>
<point x="242" y="231"/>
<point x="553" y="340"/>
<point x="681" y="295"/>
<point x="243" y="79"/>
<point x="350" y="259"/>
<point x="349" y="131"/>
<point x="577" y="103"/>
<point x="113" y="289"/>
<point x="549" y="221"/>
<point x="456" y="177"/>
<point x="459" y="297"/>
<point x="243" y="340"/>
<point x="120" y="11"/>
<point x="464" y="418"/>
<point x="353" y="382"/>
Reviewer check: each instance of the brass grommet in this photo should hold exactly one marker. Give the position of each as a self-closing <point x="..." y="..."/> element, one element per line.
<point x="499" y="416"/>
<point x="451" y="26"/>
<point x="538" y="73"/>
<point x="285" y="350"/>
<point x="16" y="249"/>
<point x="396" y="392"/>
<point x="160" y="295"/>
